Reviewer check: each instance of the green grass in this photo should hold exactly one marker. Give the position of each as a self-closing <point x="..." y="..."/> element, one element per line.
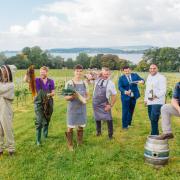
<point x="99" y="158"/>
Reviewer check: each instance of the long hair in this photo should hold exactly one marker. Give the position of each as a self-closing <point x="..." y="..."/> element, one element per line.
<point x="6" y="69"/>
<point x="1" y="75"/>
<point x="31" y="77"/>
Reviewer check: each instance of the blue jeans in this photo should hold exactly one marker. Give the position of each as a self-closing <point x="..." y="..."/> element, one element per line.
<point x="154" y="112"/>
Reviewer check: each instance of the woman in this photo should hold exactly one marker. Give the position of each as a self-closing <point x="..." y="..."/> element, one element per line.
<point x="76" y="111"/>
<point x="6" y="112"/>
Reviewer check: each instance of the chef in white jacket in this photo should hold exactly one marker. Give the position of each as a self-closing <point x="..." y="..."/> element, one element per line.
<point x="155" y="96"/>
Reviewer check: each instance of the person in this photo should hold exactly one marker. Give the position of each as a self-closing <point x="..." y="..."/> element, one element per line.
<point x="128" y="86"/>
<point x="155" y="96"/>
<point x="43" y="101"/>
<point x="6" y="111"/>
<point x="104" y="98"/>
<point x="169" y="110"/>
<point x="76" y="109"/>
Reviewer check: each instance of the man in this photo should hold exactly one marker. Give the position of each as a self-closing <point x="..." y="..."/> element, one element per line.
<point x="155" y="96"/>
<point x="104" y="98"/>
<point x="169" y="110"/>
<point x="43" y="102"/>
<point x="6" y="111"/>
<point x="128" y="86"/>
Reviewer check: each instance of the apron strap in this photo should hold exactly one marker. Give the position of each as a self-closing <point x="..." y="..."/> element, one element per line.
<point x="96" y="84"/>
<point x="75" y="84"/>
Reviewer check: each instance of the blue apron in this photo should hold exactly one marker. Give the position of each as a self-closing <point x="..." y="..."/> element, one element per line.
<point x="76" y="111"/>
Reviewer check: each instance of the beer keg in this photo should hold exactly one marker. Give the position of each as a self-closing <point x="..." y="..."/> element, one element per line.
<point x="156" y="151"/>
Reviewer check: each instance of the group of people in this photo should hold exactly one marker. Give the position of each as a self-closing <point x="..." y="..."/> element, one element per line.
<point x="103" y="100"/>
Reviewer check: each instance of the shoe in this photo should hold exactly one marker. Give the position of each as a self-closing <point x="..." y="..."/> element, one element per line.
<point x="69" y="138"/>
<point x="111" y="138"/>
<point x="98" y="134"/>
<point x="130" y="126"/>
<point x="11" y="153"/>
<point x="125" y="129"/>
<point x="165" y="136"/>
<point x="1" y="153"/>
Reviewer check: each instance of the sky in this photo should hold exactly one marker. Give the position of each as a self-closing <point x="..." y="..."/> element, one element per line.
<point x="88" y="23"/>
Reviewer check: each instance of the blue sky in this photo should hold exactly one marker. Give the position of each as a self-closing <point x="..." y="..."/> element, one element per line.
<point x="18" y="11"/>
<point x="88" y="23"/>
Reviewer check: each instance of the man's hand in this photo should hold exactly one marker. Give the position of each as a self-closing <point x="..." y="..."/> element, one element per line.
<point x="107" y="107"/>
<point x="128" y="92"/>
<point x="70" y="98"/>
<point x="141" y="82"/>
<point x="145" y="103"/>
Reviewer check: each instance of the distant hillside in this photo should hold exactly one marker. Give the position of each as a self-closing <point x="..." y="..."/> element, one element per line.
<point x="120" y="50"/>
<point x="111" y="50"/>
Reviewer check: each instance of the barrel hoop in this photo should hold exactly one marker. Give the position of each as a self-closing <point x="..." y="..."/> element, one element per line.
<point x="155" y="149"/>
<point x="156" y="157"/>
<point x="157" y="142"/>
<point x="156" y="154"/>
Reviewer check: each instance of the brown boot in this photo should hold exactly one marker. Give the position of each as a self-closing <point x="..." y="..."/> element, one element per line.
<point x="69" y="138"/>
<point x="79" y="136"/>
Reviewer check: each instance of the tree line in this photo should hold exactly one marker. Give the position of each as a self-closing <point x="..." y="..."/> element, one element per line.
<point x="167" y="59"/>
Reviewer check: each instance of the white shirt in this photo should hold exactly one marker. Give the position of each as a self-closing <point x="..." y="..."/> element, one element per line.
<point x="158" y="84"/>
<point x="111" y="89"/>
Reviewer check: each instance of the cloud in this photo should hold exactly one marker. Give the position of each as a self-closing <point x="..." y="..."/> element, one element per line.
<point x="75" y="23"/>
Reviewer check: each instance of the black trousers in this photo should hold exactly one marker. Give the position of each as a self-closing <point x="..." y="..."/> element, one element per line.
<point x="110" y="127"/>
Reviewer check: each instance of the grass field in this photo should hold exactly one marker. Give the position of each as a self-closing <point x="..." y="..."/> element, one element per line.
<point x="99" y="158"/>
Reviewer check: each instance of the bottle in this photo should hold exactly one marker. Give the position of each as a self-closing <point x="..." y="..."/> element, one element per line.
<point x="151" y="94"/>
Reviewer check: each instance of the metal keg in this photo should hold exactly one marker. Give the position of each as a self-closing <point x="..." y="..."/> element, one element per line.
<point x="156" y="151"/>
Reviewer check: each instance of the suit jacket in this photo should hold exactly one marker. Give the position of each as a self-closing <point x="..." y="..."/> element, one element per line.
<point x="124" y="85"/>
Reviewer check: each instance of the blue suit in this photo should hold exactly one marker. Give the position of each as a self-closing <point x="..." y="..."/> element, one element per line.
<point x="128" y="103"/>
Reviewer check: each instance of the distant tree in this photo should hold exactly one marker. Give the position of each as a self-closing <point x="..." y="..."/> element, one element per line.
<point x="123" y="62"/>
<point x="2" y="58"/>
<point x="69" y="63"/>
<point x="95" y="61"/>
<point x="142" y="66"/>
<point x="83" y="59"/>
<point x="167" y="59"/>
<point x="110" y="61"/>
<point x="19" y="60"/>
<point x="113" y="62"/>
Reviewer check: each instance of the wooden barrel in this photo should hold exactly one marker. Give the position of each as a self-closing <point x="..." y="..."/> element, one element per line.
<point x="156" y="151"/>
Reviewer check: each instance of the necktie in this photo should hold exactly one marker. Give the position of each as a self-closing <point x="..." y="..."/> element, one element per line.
<point x="102" y="82"/>
<point x="129" y="78"/>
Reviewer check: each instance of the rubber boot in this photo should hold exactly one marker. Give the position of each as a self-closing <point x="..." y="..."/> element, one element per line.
<point x="69" y="138"/>
<point x="79" y="136"/>
<point x="38" y="137"/>
<point x="45" y="131"/>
